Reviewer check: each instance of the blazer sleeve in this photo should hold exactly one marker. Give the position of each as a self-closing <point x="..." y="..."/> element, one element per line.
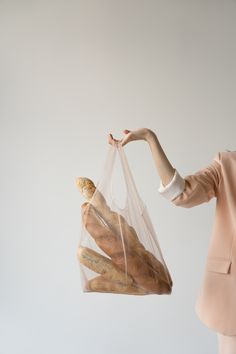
<point x="201" y="186"/>
<point x="173" y="188"/>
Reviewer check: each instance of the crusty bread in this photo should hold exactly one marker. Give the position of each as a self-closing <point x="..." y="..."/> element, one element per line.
<point x="121" y="254"/>
<point x="114" y="220"/>
<point x="102" y="265"/>
<point x="86" y="187"/>
<point x="108" y="227"/>
<point x="118" y="224"/>
<point x="101" y="284"/>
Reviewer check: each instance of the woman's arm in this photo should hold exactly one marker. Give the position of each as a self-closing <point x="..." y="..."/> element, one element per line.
<point x="171" y="184"/>
<point x="164" y="168"/>
<point x="193" y="189"/>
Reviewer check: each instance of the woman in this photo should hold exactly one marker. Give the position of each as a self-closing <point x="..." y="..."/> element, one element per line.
<point x="216" y="305"/>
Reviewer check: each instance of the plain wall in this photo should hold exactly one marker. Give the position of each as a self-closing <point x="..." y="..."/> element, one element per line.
<point x="71" y="72"/>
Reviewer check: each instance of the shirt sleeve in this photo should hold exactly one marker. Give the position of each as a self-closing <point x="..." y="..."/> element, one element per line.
<point x="174" y="188"/>
<point x="201" y="186"/>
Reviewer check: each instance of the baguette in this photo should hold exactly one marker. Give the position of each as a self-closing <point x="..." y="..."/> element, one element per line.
<point x="121" y="254"/>
<point x="112" y="219"/>
<point x="102" y="265"/>
<point x="101" y="284"/>
<point x="119" y="225"/>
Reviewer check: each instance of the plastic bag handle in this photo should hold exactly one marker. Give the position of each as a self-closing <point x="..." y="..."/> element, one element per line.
<point x="128" y="177"/>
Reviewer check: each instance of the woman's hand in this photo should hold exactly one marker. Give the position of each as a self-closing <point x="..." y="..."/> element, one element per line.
<point x="163" y="165"/>
<point x="130" y="135"/>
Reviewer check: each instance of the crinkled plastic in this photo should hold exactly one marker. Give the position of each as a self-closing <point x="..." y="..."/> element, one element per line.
<point x="118" y="250"/>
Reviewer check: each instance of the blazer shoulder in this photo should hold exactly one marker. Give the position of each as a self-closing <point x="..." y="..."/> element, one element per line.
<point x="223" y="160"/>
<point x="225" y="155"/>
<point x="218" y="156"/>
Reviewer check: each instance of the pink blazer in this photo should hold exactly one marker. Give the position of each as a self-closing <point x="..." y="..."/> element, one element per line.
<point x="216" y="303"/>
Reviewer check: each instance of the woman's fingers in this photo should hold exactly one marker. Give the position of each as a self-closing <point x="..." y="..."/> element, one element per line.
<point x="124" y="141"/>
<point x="111" y="140"/>
<point x="127" y="137"/>
<point x="130" y="135"/>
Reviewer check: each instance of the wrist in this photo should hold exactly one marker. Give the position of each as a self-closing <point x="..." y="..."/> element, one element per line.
<point x="150" y="136"/>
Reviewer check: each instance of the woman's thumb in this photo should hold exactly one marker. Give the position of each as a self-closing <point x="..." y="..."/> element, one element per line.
<point x="126" y="131"/>
<point x="126" y="138"/>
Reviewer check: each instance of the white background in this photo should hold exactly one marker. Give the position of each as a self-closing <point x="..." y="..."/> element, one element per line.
<point x="71" y="72"/>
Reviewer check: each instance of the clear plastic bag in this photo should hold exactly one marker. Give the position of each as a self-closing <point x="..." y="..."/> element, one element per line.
<point x="118" y="250"/>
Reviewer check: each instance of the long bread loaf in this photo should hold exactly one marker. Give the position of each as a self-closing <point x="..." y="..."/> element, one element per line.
<point x="102" y="284"/>
<point x="117" y="222"/>
<point x="121" y="254"/>
<point x="102" y="265"/>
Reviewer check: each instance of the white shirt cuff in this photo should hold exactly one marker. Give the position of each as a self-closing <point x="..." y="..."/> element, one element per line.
<point x="174" y="188"/>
